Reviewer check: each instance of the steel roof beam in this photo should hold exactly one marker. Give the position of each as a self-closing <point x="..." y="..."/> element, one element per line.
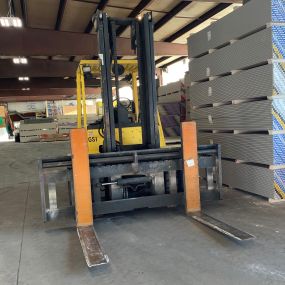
<point x="208" y="15"/>
<point x="37" y="68"/>
<point x="171" y="14"/>
<point x="137" y="10"/>
<point x="48" y="92"/>
<point x="25" y="98"/>
<point x="222" y="1"/>
<point x="44" y="82"/>
<point x="101" y="6"/>
<point x="33" y="42"/>
<point x="173" y="61"/>
<point x="24" y="12"/>
<point x="60" y="13"/>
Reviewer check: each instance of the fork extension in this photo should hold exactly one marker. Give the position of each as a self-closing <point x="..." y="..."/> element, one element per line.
<point x="92" y="250"/>
<point x="222" y="227"/>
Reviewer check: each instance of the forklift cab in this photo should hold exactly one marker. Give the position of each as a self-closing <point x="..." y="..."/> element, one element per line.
<point x="126" y="111"/>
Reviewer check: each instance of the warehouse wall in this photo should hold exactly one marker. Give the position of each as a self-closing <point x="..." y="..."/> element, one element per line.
<point x="25" y="107"/>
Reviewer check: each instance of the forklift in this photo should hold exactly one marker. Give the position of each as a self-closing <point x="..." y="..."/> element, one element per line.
<point x="124" y="176"/>
<point x="121" y="176"/>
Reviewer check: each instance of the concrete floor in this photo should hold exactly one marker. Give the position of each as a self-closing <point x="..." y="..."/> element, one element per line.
<point x="145" y="247"/>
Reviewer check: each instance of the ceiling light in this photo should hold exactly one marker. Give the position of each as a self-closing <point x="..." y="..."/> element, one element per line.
<point x="20" y="60"/>
<point x="66" y="77"/>
<point x="16" y="60"/>
<point x="15" y="22"/>
<point x="24" y="78"/>
<point x="23" y="60"/>
<point x="4" y="22"/>
<point x="26" y="89"/>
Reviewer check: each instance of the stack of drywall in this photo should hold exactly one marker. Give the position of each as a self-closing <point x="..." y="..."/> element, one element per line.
<point x="33" y="130"/>
<point x="237" y="94"/>
<point x="171" y="107"/>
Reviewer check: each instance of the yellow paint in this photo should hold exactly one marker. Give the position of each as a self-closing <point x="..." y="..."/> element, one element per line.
<point x="81" y="177"/>
<point x="135" y="94"/>
<point x="277" y="52"/>
<point x="278" y="119"/>
<point x="279" y="190"/>
<point x="83" y="98"/>
<point x="99" y="108"/>
<point x="130" y="67"/>
<point x="282" y="65"/>
<point x="78" y="90"/>
<point x="94" y="141"/>
<point x="131" y="136"/>
<point x="161" y="134"/>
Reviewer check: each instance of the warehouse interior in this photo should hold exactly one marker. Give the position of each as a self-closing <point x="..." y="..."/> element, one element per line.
<point x="142" y="142"/>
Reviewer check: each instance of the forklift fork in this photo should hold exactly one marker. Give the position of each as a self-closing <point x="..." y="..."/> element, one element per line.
<point x="192" y="187"/>
<point x="92" y="250"/>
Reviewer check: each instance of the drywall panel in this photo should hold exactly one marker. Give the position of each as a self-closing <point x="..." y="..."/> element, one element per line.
<point x="242" y="54"/>
<point x="242" y="21"/>
<point x="254" y="179"/>
<point x="258" y="148"/>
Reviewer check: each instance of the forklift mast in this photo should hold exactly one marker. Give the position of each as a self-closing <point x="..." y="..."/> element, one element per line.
<point x="142" y="45"/>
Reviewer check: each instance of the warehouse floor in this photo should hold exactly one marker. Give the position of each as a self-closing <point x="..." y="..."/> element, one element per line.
<point x="145" y="247"/>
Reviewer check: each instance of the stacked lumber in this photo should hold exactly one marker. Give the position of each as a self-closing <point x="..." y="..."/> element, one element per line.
<point x="33" y="129"/>
<point x="171" y="107"/>
<point x="236" y="94"/>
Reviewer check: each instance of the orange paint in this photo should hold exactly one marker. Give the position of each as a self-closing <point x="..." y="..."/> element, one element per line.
<point x="81" y="177"/>
<point x="191" y="167"/>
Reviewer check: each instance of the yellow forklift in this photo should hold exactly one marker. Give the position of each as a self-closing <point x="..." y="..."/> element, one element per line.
<point x="132" y="130"/>
<point x="128" y="167"/>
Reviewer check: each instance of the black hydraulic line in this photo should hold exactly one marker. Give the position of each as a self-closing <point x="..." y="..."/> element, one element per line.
<point x="134" y="180"/>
